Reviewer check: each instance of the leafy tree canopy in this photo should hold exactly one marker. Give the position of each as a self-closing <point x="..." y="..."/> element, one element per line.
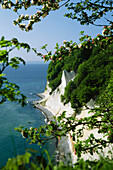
<point x="8" y="90"/>
<point x="84" y="11"/>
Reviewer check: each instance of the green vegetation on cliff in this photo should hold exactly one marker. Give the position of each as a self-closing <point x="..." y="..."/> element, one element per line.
<point x="93" y="69"/>
<point x="92" y="62"/>
<point x="68" y="63"/>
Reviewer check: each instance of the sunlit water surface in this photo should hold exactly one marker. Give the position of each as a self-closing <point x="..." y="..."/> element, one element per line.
<point x="32" y="80"/>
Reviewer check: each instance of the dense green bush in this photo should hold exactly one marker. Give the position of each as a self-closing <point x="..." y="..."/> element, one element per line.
<point x="92" y="76"/>
<point x="68" y="63"/>
<point x="27" y="161"/>
<point x="55" y="82"/>
<point x="93" y="68"/>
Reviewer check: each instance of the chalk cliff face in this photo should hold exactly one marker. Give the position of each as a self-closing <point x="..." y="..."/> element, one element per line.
<point x="53" y="101"/>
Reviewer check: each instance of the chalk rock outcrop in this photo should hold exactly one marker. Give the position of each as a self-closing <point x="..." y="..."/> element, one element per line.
<point x="53" y="101"/>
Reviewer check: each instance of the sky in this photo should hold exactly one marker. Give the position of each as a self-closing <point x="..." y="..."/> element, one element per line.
<point x="53" y="29"/>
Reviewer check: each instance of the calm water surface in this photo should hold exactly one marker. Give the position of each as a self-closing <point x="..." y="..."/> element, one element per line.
<point x="31" y="79"/>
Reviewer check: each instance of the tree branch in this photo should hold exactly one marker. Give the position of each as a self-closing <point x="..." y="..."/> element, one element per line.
<point x="100" y="6"/>
<point x="64" y="3"/>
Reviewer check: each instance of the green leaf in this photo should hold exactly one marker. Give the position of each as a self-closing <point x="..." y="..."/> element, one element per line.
<point x="82" y="33"/>
<point x="18" y="47"/>
<point x="2" y="38"/>
<point x="43" y="47"/>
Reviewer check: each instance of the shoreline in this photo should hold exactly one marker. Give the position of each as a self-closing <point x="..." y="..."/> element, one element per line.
<point x="49" y="115"/>
<point x="62" y="145"/>
<point x="41" y="95"/>
<point x="46" y="112"/>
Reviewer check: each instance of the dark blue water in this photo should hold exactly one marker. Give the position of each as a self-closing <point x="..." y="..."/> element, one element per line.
<point x="31" y="79"/>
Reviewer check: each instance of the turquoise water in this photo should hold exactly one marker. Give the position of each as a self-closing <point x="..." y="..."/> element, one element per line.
<point x="31" y="79"/>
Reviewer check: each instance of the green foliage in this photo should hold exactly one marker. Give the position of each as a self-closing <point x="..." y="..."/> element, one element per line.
<point x="55" y="82"/>
<point x="30" y="160"/>
<point x="92" y="63"/>
<point x="20" y="162"/>
<point x="86" y="11"/>
<point x="101" y="119"/>
<point x="69" y="62"/>
<point x="8" y="90"/>
<point x="91" y="60"/>
<point x="34" y="162"/>
<point x="92" y="77"/>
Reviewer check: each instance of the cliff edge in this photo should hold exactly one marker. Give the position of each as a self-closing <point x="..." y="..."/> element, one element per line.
<point x="51" y="104"/>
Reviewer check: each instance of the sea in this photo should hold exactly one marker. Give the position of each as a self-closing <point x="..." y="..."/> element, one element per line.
<point x="31" y="79"/>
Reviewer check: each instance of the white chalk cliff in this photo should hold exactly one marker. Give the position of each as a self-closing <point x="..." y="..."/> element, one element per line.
<point x="53" y="103"/>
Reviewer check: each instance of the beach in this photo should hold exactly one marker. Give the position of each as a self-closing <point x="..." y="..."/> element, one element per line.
<point x="63" y="152"/>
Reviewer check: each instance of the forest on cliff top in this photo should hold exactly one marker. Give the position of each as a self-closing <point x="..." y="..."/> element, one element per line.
<point x="93" y="69"/>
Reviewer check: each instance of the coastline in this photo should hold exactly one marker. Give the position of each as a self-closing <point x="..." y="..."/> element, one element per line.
<point x="63" y="152"/>
<point x="46" y="112"/>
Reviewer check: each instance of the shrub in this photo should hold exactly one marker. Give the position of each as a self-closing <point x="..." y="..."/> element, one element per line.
<point x="92" y="77"/>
